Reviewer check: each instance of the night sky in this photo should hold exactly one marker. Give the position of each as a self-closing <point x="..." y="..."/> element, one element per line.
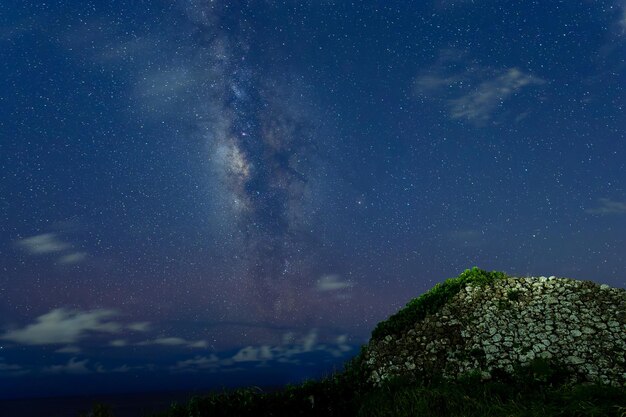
<point x="206" y="192"/>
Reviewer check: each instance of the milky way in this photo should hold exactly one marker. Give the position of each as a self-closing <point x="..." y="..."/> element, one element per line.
<point x="262" y="149"/>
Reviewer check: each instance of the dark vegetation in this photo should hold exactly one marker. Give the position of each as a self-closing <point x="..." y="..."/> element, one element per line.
<point x="538" y="390"/>
<point x="470" y="397"/>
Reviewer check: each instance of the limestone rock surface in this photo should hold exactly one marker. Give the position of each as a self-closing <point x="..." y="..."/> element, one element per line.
<point x="579" y="325"/>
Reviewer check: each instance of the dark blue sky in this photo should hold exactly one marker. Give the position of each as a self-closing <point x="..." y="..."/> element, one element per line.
<point x="203" y="192"/>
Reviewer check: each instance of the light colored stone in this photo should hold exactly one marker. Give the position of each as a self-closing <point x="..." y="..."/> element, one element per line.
<point x="588" y="330"/>
<point x="552" y="320"/>
<point x="575" y="360"/>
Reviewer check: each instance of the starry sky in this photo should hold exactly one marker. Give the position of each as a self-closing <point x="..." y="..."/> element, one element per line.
<point x="208" y="192"/>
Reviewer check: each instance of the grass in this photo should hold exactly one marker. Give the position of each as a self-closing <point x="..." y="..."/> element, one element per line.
<point x="431" y="301"/>
<point x="334" y="396"/>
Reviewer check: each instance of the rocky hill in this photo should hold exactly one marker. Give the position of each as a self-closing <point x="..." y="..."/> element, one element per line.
<point x="492" y="324"/>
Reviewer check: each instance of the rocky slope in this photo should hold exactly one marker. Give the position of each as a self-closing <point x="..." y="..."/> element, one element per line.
<point x="493" y="324"/>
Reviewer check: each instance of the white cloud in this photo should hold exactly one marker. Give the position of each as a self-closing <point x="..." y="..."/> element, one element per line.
<point x="254" y="354"/>
<point x="8" y="369"/>
<point x="308" y="342"/>
<point x="480" y="104"/>
<point x="247" y="354"/>
<point x="42" y="244"/>
<point x="289" y="351"/>
<point x="341" y="346"/>
<point x="122" y="369"/>
<point x="73" y="366"/>
<point x="118" y="343"/>
<point x="291" y="348"/>
<point x="142" y="326"/>
<point x="68" y="349"/>
<point x="199" y="344"/>
<point x="621" y="19"/>
<point x="72" y="258"/>
<point x="608" y="206"/>
<point x="50" y="243"/>
<point x="4" y="367"/>
<point x="198" y="362"/>
<point x="168" y="341"/>
<point x="61" y="326"/>
<point x="471" y="91"/>
<point x="332" y="282"/>
<point x="175" y="341"/>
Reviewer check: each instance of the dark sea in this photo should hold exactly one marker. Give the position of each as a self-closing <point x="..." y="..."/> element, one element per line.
<point x="126" y="405"/>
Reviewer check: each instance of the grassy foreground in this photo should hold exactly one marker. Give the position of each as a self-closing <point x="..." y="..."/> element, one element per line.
<point x="469" y="398"/>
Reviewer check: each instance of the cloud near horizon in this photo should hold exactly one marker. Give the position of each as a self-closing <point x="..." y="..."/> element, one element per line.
<point x="172" y="341"/>
<point x="63" y="326"/>
<point x="4" y="367"/>
<point x="289" y="351"/>
<point x="73" y="366"/>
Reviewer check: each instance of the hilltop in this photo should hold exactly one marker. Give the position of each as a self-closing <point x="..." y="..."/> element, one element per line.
<point x="491" y="324"/>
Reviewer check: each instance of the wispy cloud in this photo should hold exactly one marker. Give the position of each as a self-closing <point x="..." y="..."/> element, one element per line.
<point x="620" y="6"/>
<point x="332" y="282"/>
<point x="5" y="367"/>
<point x="118" y="343"/>
<point x="12" y="369"/>
<point x="480" y="104"/>
<point x="72" y="258"/>
<point x="43" y="244"/>
<point x="68" y="349"/>
<point x="51" y="243"/>
<point x="608" y="206"/>
<point x="467" y="237"/>
<point x="73" y="366"/>
<point x="471" y="91"/>
<point x="175" y="341"/>
<point x="289" y="351"/>
<point x="254" y="354"/>
<point x="198" y="362"/>
<point x="63" y="326"/>
<point x="142" y="326"/>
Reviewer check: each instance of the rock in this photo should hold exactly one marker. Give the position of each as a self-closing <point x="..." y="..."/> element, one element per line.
<point x="575" y="360"/>
<point x="565" y="321"/>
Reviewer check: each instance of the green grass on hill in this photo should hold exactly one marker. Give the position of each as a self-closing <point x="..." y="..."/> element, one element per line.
<point x="431" y="301"/>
